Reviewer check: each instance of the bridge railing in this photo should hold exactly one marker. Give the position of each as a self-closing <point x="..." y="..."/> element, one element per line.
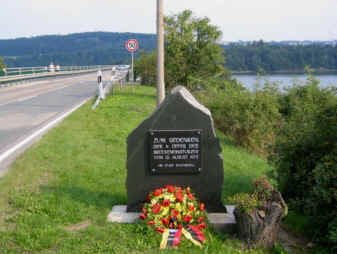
<point x="25" y="73"/>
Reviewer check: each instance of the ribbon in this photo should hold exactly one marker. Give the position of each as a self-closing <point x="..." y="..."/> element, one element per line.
<point x="196" y="233"/>
<point x="190" y="237"/>
<point x="172" y="237"/>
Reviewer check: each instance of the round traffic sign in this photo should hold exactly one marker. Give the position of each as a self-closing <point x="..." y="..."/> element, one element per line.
<point x="132" y="45"/>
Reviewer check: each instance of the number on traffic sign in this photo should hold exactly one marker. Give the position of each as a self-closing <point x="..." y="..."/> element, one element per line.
<point x="132" y="45"/>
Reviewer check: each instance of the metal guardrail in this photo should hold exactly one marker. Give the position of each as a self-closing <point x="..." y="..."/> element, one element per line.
<point x="26" y="73"/>
<point x="117" y="77"/>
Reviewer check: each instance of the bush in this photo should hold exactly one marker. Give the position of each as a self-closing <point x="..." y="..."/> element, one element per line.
<point x="305" y="155"/>
<point x="298" y="130"/>
<point x="249" y="118"/>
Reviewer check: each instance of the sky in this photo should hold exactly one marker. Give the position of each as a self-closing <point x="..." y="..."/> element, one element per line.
<point x="247" y="20"/>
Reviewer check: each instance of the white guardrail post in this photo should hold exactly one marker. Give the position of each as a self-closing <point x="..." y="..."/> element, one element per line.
<point x="102" y="90"/>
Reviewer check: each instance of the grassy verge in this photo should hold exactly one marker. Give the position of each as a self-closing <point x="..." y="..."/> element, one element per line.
<point x="58" y="194"/>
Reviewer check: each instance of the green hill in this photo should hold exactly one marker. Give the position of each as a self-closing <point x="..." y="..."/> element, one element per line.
<point x="74" y="49"/>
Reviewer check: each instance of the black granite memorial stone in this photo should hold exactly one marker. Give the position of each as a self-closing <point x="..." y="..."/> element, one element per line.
<point x="175" y="145"/>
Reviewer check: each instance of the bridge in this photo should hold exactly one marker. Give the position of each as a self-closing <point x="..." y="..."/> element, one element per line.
<point x="13" y="75"/>
<point x="33" y="100"/>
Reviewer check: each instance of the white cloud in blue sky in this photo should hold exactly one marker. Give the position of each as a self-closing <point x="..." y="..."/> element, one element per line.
<point x="238" y="19"/>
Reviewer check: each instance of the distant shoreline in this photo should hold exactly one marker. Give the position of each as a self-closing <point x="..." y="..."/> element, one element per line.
<point x="286" y="72"/>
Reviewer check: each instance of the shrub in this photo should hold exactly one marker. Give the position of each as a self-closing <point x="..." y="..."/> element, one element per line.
<point x="305" y="155"/>
<point x="249" y="118"/>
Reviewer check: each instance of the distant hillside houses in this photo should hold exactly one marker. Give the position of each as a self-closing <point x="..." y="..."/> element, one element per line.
<point x="287" y="42"/>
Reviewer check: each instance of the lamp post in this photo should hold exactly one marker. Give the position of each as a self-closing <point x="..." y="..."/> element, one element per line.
<point x="160" y="52"/>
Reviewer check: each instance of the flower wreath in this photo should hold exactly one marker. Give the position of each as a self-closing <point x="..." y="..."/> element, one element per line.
<point x="174" y="211"/>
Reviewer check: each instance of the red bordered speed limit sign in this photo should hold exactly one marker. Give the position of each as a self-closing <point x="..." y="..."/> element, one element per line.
<point x="132" y="45"/>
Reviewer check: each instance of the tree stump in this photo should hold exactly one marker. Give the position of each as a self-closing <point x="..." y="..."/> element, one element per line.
<point x="261" y="227"/>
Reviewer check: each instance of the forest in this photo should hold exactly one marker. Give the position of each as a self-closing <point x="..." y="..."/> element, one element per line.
<point x="90" y="48"/>
<point x="271" y="57"/>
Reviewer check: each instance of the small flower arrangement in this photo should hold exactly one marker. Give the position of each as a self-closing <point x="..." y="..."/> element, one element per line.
<point x="173" y="207"/>
<point x="245" y="202"/>
<point x="262" y="188"/>
<point x="262" y="193"/>
<point x="258" y="214"/>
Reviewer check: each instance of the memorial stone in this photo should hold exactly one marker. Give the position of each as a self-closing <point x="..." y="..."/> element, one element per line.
<point x="175" y="145"/>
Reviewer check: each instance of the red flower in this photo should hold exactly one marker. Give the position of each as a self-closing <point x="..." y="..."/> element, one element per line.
<point x="188" y="218"/>
<point x="160" y="230"/>
<point x="151" y="223"/>
<point x="156" y="208"/>
<point x="174" y="213"/>
<point x="144" y="210"/>
<point x="202" y="226"/>
<point x="191" y="208"/>
<point x="158" y="192"/>
<point x="165" y="221"/>
<point x="170" y="188"/>
<point x="179" y="196"/>
<point x="202" y="206"/>
<point x="201" y="219"/>
<point x="171" y="225"/>
<point x="142" y="216"/>
<point x="180" y="226"/>
<point x="190" y="196"/>
<point x="166" y="202"/>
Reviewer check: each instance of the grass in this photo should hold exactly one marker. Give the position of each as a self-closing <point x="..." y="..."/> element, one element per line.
<point x="58" y="194"/>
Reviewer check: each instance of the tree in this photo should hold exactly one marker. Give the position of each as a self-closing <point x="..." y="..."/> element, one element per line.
<point x="191" y="50"/>
<point x="145" y="67"/>
<point x="192" y="53"/>
<point x="2" y="66"/>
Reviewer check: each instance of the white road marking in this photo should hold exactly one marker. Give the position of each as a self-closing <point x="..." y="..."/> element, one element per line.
<point x="40" y="131"/>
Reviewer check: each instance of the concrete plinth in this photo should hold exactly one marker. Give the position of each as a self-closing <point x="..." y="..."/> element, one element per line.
<point x="223" y="222"/>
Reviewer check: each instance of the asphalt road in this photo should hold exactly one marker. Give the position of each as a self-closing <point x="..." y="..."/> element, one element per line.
<point x="26" y="108"/>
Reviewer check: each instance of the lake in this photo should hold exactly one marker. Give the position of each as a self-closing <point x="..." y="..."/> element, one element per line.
<point x="285" y="80"/>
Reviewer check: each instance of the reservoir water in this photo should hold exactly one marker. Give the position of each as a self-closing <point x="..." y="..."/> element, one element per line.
<point x="284" y="80"/>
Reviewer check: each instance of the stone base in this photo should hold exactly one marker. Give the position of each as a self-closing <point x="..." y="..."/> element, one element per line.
<point x="223" y="222"/>
<point x="119" y="214"/>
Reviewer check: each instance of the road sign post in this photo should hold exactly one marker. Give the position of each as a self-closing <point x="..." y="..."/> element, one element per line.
<point x="132" y="46"/>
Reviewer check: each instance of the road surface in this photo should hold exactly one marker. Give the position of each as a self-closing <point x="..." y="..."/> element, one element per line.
<point x="27" y="108"/>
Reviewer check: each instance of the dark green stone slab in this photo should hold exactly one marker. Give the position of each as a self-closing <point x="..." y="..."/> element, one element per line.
<point x="179" y="111"/>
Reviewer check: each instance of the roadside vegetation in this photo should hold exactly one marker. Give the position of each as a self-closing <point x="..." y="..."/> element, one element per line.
<point x="295" y="129"/>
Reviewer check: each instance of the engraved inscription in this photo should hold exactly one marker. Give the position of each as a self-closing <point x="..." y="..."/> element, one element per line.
<point x="175" y="152"/>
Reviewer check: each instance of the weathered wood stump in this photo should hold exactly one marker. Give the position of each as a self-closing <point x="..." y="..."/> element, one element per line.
<point x="261" y="227"/>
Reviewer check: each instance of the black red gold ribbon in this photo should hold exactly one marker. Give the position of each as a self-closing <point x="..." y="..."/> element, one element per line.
<point x="172" y="237"/>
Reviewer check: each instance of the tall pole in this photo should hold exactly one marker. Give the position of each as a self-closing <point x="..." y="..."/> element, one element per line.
<point x="132" y="72"/>
<point x="160" y="52"/>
